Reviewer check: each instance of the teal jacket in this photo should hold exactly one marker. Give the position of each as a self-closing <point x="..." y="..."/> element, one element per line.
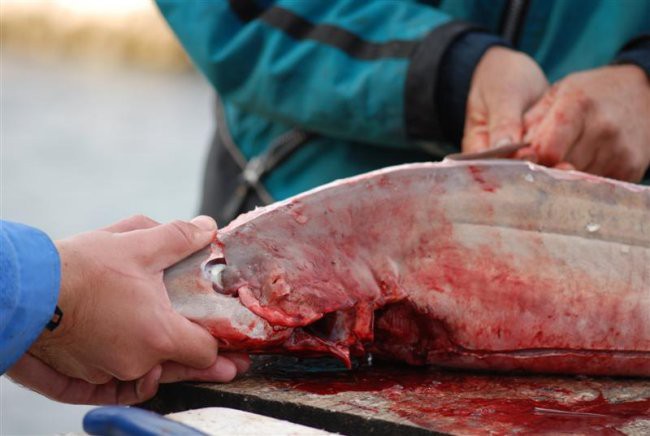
<point x="379" y="82"/>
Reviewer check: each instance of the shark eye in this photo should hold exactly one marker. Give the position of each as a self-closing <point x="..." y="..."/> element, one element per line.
<point x="213" y="271"/>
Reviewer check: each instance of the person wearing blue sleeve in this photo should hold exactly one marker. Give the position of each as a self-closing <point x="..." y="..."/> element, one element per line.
<point x="312" y="91"/>
<point x="81" y="319"/>
<point x="30" y="271"/>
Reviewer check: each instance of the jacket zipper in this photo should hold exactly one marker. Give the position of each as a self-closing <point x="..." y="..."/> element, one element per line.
<point x="513" y="20"/>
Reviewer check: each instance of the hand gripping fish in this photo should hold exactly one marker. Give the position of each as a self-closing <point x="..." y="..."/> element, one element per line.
<point x="493" y="265"/>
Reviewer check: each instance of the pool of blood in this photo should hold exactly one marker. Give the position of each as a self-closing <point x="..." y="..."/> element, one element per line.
<point x="475" y="403"/>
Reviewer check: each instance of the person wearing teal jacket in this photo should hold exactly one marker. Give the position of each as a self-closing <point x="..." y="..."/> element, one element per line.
<point x="311" y="91"/>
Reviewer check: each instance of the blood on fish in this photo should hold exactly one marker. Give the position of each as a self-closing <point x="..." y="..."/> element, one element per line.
<point x="478" y="177"/>
<point x="418" y="264"/>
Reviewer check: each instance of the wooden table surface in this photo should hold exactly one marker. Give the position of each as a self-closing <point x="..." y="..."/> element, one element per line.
<point x="393" y="399"/>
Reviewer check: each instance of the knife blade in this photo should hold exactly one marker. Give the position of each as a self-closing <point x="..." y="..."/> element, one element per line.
<point x="501" y="151"/>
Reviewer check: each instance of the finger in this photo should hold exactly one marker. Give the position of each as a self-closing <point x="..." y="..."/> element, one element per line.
<point x="536" y="113"/>
<point x="93" y="376"/>
<point x="582" y="154"/>
<point x="566" y="166"/>
<point x="475" y="134"/>
<point x="140" y="390"/>
<point x="136" y="222"/>
<point x="169" y="243"/>
<point x="242" y="361"/>
<point x="126" y="393"/>
<point x="559" y="132"/>
<point x="505" y="125"/>
<point x="601" y="163"/>
<point x="527" y="154"/>
<point x="120" y="392"/>
<point x="532" y="120"/>
<point x="37" y="376"/>
<point x="530" y="132"/>
<point x="194" y="346"/>
<point x="223" y="370"/>
<point x="475" y="139"/>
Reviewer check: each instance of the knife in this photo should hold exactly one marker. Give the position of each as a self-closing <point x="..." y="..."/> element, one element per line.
<point x="499" y="152"/>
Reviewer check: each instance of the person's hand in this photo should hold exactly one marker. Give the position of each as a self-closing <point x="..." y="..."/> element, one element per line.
<point x="37" y="376"/>
<point x="118" y="324"/>
<point x="505" y="84"/>
<point x="596" y="121"/>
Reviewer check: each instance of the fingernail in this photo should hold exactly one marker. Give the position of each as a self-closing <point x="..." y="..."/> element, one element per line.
<point x="204" y="222"/>
<point x="502" y="141"/>
<point x="242" y="363"/>
<point x="157" y="371"/>
<point x="138" y="387"/>
<point x="154" y="373"/>
<point x="528" y="155"/>
<point x="528" y="136"/>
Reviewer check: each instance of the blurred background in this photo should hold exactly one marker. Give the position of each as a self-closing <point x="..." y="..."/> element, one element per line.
<point x="101" y="117"/>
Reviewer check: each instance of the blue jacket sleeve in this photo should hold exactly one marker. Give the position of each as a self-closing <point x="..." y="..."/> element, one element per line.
<point x="29" y="288"/>
<point x="356" y="70"/>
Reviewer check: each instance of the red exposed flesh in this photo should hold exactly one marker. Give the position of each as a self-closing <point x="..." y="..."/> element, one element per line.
<point x="497" y="265"/>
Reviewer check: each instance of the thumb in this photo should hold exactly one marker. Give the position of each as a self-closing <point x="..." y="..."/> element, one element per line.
<point x="169" y="243"/>
<point x="505" y="122"/>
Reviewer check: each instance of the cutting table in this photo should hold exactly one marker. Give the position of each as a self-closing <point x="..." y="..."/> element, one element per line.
<point x="385" y="399"/>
